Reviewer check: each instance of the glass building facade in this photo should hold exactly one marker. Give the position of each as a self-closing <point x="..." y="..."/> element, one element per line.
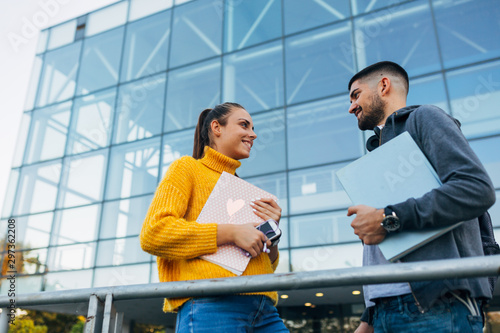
<point x="115" y="95"/>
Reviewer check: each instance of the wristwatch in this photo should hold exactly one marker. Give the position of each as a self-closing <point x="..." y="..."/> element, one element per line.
<point x="391" y="221"/>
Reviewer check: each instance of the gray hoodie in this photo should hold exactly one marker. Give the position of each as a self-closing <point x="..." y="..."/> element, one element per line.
<point x="467" y="192"/>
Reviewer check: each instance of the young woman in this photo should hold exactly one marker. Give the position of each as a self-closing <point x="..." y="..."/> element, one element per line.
<point x="223" y="136"/>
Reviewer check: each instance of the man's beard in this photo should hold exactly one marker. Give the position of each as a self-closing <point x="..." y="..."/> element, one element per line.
<point x="373" y="114"/>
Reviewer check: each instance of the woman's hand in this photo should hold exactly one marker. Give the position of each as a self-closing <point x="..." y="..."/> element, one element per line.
<point x="245" y="236"/>
<point x="266" y="209"/>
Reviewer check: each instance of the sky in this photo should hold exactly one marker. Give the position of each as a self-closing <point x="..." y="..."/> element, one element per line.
<point x="20" y="24"/>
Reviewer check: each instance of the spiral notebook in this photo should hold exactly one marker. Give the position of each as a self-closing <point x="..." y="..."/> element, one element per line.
<point x="229" y="202"/>
<point x="392" y="173"/>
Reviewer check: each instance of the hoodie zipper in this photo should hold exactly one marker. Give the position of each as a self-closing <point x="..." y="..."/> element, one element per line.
<point x="417" y="303"/>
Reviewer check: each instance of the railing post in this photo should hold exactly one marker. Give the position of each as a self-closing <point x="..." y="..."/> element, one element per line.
<point x="108" y="322"/>
<point x="4" y="321"/>
<point x="94" y="316"/>
<point x="119" y="322"/>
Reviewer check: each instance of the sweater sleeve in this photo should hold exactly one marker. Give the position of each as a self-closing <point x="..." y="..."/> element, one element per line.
<point x="467" y="191"/>
<point x="165" y="233"/>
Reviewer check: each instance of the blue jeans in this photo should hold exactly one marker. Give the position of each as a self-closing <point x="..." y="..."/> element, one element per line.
<point x="231" y="314"/>
<point x="400" y="314"/>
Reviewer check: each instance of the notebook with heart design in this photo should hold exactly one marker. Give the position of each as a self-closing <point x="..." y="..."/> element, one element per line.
<point x="229" y="202"/>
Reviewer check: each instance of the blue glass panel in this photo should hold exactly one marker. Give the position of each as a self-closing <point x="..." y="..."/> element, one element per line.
<point x="274" y="184"/>
<point x="191" y="90"/>
<point x="322" y="132"/>
<point x="251" y="22"/>
<point x="317" y="63"/>
<point x="47" y="137"/>
<point x="22" y="137"/>
<point x="254" y="77"/>
<point x="91" y="122"/>
<point x="123" y="218"/>
<point x="62" y="34"/>
<point x="428" y="90"/>
<point x="143" y="8"/>
<point x="10" y="193"/>
<point x="32" y="262"/>
<point x="83" y="178"/>
<point x="76" y="225"/>
<point x="468" y="30"/>
<point x="28" y="284"/>
<point x="475" y="96"/>
<point x="196" y="32"/>
<point x="120" y="251"/>
<point x="59" y="74"/>
<point x="37" y="189"/>
<point x="133" y="169"/>
<point x="488" y="151"/>
<point x="316" y="189"/>
<point x="176" y="145"/>
<point x="140" y="109"/>
<point x="146" y="47"/>
<point x="327" y="257"/>
<point x="41" y="45"/>
<point x="319" y="229"/>
<point x="121" y="275"/>
<point x="67" y="257"/>
<point x="411" y="26"/>
<point x="106" y="18"/>
<point x="34" y="230"/>
<point x="33" y="83"/>
<point x="100" y="61"/>
<point x="284" y="264"/>
<point x="495" y="212"/>
<point x="284" y="227"/>
<point x="365" y="6"/>
<point x="268" y="151"/>
<point x="68" y="280"/>
<point x="299" y="16"/>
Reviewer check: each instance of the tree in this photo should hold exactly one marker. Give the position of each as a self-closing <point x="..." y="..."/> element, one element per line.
<point x="43" y="322"/>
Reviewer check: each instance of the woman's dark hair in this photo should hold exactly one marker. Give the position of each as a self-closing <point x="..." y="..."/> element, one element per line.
<point x="202" y="134"/>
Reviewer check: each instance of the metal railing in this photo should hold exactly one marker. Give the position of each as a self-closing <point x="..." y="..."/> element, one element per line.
<point x="102" y="316"/>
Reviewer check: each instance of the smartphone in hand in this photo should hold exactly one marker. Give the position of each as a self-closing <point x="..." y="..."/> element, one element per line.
<point x="271" y="230"/>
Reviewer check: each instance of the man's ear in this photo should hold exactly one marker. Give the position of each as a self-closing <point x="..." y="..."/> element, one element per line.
<point x="384" y="86"/>
<point x="216" y="128"/>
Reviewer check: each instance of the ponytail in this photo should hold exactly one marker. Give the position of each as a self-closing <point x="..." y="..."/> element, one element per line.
<point x="201" y="135"/>
<point x="203" y="131"/>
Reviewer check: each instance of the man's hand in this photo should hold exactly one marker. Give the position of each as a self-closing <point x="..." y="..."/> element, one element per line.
<point x="364" y="328"/>
<point x="367" y="223"/>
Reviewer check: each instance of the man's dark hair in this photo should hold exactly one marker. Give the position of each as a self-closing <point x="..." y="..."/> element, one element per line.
<point x="384" y="67"/>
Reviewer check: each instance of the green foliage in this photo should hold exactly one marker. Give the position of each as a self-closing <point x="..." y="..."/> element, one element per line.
<point x="43" y="322"/>
<point x="26" y="325"/>
<point x="144" y="328"/>
<point x="78" y="327"/>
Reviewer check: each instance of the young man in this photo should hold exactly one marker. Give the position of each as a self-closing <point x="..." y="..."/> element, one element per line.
<point x="378" y="101"/>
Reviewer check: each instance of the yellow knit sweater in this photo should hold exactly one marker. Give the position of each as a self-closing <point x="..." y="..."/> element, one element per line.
<point x="170" y="230"/>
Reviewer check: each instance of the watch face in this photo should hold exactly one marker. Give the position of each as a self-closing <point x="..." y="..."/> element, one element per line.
<point x="390" y="223"/>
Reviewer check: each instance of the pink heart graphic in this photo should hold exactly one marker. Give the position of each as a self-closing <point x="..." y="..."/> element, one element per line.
<point x="234" y="206"/>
